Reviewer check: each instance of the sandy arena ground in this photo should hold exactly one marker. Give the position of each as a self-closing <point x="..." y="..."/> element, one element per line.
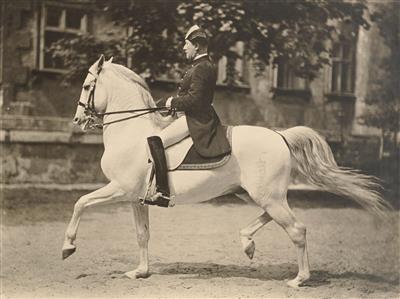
<point x="195" y="251"/>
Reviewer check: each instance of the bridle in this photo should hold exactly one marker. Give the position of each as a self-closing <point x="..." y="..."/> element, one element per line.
<point x="92" y="113"/>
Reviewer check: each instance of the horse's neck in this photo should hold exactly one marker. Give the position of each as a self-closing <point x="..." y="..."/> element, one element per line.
<point x="125" y="95"/>
<point x="133" y="127"/>
<point x="123" y="101"/>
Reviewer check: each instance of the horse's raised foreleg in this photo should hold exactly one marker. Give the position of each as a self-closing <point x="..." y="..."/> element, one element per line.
<point x="108" y="193"/>
<point x="281" y="213"/>
<point x="247" y="233"/>
<point x="141" y="215"/>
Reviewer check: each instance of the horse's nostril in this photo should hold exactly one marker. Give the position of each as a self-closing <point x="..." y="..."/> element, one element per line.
<point x="76" y="120"/>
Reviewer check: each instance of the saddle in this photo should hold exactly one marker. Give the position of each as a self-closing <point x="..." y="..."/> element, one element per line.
<point x="183" y="155"/>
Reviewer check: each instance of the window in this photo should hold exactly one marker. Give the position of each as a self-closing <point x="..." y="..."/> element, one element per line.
<point x="343" y="66"/>
<point x="233" y="71"/>
<point x="287" y="79"/>
<point x="59" y="22"/>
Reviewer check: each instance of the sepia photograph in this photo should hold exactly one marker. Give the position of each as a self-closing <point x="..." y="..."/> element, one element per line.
<point x="200" y="149"/>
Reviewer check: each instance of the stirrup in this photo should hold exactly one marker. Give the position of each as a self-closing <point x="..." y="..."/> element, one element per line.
<point x="159" y="199"/>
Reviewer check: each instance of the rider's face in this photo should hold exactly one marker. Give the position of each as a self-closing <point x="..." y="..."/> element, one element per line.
<point x="190" y="50"/>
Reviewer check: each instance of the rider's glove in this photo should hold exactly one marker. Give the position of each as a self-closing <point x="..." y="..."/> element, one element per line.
<point x="171" y="111"/>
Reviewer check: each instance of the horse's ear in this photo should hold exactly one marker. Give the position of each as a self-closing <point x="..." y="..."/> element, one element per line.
<point x="101" y="62"/>
<point x="110" y="60"/>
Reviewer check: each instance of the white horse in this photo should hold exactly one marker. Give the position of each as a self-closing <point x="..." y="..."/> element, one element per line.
<point x="259" y="169"/>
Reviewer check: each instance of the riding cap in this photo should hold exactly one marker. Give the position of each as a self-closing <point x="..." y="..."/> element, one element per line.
<point x="195" y="32"/>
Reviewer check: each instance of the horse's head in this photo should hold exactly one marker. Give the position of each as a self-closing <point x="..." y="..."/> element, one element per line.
<point x="91" y="89"/>
<point x="109" y="86"/>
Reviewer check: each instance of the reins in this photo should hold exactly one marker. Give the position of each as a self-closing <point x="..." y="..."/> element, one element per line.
<point x="91" y="111"/>
<point x="145" y="111"/>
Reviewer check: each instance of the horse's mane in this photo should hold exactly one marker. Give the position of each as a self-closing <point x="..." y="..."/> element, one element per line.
<point x="130" y="76"/>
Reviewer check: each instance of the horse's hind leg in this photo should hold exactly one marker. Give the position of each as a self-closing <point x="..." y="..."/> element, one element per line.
<point x="281" y="213"/>
<point x="247" y="233"/>
<point x="141" y="215"/>
<point x="107" y="193"/>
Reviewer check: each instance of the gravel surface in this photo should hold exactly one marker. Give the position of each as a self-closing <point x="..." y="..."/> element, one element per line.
<point x="194" y="251"/>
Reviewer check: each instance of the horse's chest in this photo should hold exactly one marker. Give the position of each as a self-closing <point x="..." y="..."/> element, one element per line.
<point x="122" y="164"/>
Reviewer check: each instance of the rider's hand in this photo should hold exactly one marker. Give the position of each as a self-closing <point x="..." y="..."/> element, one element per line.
<point x="171" y="111"/>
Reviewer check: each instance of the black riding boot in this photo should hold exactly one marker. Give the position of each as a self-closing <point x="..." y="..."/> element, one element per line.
<point x="160" y="164"/>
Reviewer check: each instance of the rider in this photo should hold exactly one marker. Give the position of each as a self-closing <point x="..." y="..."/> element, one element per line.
<point x="196" y="115"/>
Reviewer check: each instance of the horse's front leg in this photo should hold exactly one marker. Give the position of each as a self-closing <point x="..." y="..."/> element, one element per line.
<point x="106" y="194"/>
<point x="141" y="215"/>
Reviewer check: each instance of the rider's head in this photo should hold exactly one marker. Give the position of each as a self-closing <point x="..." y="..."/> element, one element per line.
<point x="196" y="42"/>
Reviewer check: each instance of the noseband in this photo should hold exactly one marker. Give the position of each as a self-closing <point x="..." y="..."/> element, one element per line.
<point x="91" y="111"/>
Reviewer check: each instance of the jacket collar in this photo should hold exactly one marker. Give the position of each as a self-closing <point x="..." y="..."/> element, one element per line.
<point x="200" y="58"/>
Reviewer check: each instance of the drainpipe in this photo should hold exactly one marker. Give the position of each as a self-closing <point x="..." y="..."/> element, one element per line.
<point x="2" y="23"/>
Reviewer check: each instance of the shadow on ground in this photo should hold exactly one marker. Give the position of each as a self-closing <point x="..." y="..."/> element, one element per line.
<point x="266" y="272"/>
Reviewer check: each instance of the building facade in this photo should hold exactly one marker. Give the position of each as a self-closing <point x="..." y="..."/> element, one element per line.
<point x="40" y="145"/>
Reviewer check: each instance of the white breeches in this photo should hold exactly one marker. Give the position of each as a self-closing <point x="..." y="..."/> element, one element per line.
<point x="175" y="132"/>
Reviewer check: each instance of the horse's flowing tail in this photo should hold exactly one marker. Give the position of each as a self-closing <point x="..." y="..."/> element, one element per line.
<point x="315" y="161"/>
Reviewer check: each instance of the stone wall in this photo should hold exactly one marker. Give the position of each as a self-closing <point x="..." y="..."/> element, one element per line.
<point x="54" y="163"/>
<point x="48" y="151"/>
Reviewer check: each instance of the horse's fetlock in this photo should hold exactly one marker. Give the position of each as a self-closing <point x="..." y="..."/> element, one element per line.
<point x="303" y="276"/>
<point x="70" y="237"/>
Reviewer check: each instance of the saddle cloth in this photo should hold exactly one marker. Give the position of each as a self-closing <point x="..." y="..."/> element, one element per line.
<point x="183" y="156"/>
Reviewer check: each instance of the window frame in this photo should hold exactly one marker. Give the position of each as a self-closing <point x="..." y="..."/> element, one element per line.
<point x="340" y="61"/>
<point x="240" y="65"/>
<point x="84" y="28"/>
<point x="288" y="72"/>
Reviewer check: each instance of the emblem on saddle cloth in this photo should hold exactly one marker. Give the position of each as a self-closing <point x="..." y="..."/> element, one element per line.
<point x="183" y="156"/>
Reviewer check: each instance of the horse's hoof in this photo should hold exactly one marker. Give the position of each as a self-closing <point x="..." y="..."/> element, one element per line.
<point x="250" y="248"/>
<point x="137" y="274"/>
<point x="67" y="252"/>
<point x="293" y="283"/>
<point x="298" y="281"/>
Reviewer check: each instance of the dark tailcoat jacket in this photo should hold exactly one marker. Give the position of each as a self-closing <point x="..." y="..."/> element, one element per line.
<point x="195" y="97"/>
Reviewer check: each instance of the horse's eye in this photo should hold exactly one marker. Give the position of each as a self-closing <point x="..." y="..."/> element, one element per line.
<point x="86" y="87"/>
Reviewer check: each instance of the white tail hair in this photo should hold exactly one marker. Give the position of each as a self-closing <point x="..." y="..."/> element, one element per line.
<point x="315" y="161"/>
